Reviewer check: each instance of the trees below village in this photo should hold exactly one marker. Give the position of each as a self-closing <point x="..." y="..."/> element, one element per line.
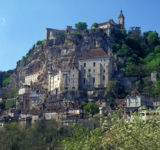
<point x="116" y="134"/>
<point x="91" y="108"/>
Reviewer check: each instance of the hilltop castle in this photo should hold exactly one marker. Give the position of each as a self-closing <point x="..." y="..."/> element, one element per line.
<point x="108" y="26"/>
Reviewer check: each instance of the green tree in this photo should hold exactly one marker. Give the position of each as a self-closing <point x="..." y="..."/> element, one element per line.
<point x="91" y="108"/>
<point x="152" y="38"/>
<point x="124" y="51"/>
<point x="157" y="49"/>
<point x="95" y="25"/>
<point x="81" y="26"/>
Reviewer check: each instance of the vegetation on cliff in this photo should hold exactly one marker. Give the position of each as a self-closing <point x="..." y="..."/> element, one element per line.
<point x="140" y="53"/>
<point x="5" y="78"/>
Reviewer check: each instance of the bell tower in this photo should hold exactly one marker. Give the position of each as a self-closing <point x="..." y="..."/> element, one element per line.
<point x="121" y="19"/>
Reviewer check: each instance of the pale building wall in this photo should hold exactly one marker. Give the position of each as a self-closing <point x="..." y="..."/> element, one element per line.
<point x="23" y="90"/>
<point x="134" y="101"/>
<point x="65" y="80"/>
<point x="51" y="115"/>
<point x="31" y="78"/>
<point x="95" y="72"/>
<point x="70" y="79"/>
<point x="54" y="82"/>
<point x="104" y="26"/>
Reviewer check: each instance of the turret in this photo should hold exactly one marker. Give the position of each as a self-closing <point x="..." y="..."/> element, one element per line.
<point x="121" y="19"/>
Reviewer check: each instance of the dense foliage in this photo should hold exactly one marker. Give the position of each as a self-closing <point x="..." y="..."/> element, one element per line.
<point x="42" y="136"/>
<point x="117" y="134"/>
<point x="5" y="78"/>
<point x="141" y="56"/>
<point x="81" y="26"/>
<point x="114" y="133"/>
<point x="91" y="108"/>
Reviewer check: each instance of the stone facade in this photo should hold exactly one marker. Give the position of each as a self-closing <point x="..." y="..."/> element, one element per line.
<point x="95" y="69"/>
<point x="64" y="80"/>
<point x="33" y="78"/>
<point x="30" y="97"/>
<point x="110" y="25"/>
<point x="135" y="101"/>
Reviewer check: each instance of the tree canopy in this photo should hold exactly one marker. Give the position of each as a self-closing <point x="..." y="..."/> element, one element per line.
<point x="81" y="26"/>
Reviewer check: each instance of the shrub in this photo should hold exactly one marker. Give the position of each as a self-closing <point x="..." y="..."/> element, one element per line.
<point x="81" y="26"/>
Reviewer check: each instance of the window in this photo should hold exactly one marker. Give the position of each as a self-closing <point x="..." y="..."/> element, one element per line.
<point x="93" y="80"/>
<point x="84" y="64"/>
<point x="94" y="64"/>
<point x="84" y="71"/>
<point x="89" y="70"/>
<point x="103" y="77"/>
<point x="84" y="80"/>
<point x="104" y="71"/>
<point x="93" y="70"/>
<point x="73" y="88"/>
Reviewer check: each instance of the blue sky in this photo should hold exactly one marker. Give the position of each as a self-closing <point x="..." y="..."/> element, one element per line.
<point x="23" y="22"/>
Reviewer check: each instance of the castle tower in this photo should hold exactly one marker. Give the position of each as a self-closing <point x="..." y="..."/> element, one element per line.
<point x="121" y="19"/>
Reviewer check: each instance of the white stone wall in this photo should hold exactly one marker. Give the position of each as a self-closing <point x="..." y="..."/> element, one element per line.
<point x="70" y="79"/>
<point x="104" y="26"/>
<point x="54" y="82"/>
<point x="94" y="73"/>
<point x="31" y="78"/>
<point x="65" y="80"/>
<point x="23" y="91"/>
<point x="78" y="111"/>
<point x="51" y="115"/>
<point x="133" y="101"/>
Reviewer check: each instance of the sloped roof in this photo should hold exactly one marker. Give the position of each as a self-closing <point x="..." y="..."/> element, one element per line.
<point x="111" y="21"/>
<point x="95" y="53"/>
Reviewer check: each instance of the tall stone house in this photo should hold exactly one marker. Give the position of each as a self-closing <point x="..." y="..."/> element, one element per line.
<point x="67" y="79"/>
<point x="95" y="69"/>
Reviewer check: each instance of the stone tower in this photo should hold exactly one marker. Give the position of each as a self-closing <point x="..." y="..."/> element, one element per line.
<point x="121" y="19"/>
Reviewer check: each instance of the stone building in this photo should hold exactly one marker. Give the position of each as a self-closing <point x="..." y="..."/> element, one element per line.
<point x="136" y="100"/>
<point x="65" y="79"/>
<point x="33" y="78"/>
<point x="29" y="96"/>
<point x="110" y="25"/>
<point x="95" y="69"/>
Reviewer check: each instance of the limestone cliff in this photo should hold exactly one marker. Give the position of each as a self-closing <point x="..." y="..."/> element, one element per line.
<point x="63" y="50"/>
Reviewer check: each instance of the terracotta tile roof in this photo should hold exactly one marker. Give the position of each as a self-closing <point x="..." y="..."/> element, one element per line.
<point x="111" y="21"/>
<point x="95" y="53"/>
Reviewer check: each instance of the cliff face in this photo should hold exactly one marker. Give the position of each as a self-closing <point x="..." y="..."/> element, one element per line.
<point x="61" y="52"/>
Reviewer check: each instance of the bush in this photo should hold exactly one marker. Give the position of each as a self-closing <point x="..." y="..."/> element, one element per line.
<point x="91" y="108"/>
<point x="81" y="26"/>
<point x="95" y="25"/>
<point x="10" y="103"/>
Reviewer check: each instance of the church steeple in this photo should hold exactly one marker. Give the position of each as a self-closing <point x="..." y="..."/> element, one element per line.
<point x="121" y="19"/>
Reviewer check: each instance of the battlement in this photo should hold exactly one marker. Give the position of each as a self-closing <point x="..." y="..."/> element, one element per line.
<point x="52" y="34"/>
